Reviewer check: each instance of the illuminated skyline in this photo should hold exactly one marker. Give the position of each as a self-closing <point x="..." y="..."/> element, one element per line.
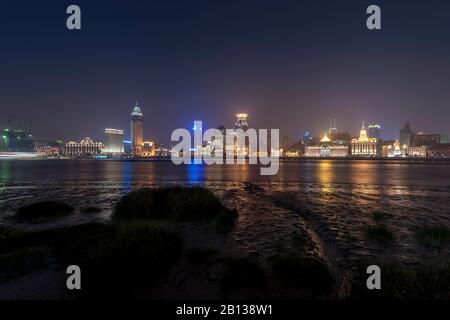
<point x="291" y="65"/>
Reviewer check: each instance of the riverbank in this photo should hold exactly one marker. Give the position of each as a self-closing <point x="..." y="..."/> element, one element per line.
<point x="278" y="238"/>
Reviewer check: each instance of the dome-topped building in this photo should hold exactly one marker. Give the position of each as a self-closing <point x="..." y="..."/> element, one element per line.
<point x="364" y="145"/>
<point x="137" y="111"/>
<point x="327" y="148"/>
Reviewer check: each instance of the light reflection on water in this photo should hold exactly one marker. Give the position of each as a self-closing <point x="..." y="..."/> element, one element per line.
<point x="128" y="172"/>
<point x="341" y="195"/>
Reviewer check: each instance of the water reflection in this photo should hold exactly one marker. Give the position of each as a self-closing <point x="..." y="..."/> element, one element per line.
<point x="5" y="174"/>
<point x="127" y="176"/>
<point x="195" y="173"/>
<point x="325" y="175"/>
<point x="5" y="169"/>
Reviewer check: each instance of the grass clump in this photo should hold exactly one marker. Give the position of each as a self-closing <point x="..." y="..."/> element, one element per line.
<point x="428" y="282"/>
<point x="242" y="273"/>
<point x="174" y="203"/>
<point x="224" y="221"/>
<point x="379" y="216"/>
<point x="379" y="233"/>
<point x="299" y="272"/>
<point x="44" y="210"/>
<point x="137" y="254"/>
<point x="24" y="261"/>
<point x="112" y="257"/>
<point x="435" y="237"/>
<point x="60" y="239"/>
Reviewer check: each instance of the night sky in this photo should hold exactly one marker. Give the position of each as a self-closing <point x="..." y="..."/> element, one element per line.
<point x="291" y="65"/>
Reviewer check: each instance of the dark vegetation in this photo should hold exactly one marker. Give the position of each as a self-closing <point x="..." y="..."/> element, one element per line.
<point x="242" y="273"/>
<point x="379" y="233"/>
<point x="176" y="204"/>
<point x="428" y="282"/>
<point x="436" y="237"/>
<point x="298" y="272"/>
<point x="116" y="258"/>
<point x="44" y="210"/>
<point x="379" y="216"/>
<point x="112" y="257"/>
<point x="137" y="255"/>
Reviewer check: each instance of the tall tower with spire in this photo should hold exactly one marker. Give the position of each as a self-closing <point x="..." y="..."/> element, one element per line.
<point x="137" y="130"/>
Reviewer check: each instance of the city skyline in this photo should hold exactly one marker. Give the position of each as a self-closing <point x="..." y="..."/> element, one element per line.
<point x="287" y="64"/>
<point x="137" y="112"/>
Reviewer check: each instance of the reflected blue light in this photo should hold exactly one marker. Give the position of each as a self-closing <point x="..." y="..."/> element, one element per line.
<point x="196" y="173"/>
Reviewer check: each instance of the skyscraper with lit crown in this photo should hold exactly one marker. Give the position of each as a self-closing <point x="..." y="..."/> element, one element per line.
<point x="241" y="122"/>
<point x="137" y="130"/>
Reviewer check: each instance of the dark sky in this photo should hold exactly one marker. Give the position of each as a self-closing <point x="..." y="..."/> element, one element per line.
<point x="291" y="65"/>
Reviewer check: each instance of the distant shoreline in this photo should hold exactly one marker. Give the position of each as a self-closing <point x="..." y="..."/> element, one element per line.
<point x="282" y="159"/>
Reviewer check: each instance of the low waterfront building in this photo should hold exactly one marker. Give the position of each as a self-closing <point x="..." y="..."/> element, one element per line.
<point x="393" y="149"/>
<point x="364" y="145"/>
<point x="326" y="148"/>
<point x="417" y="152"/>
<point x="48" y="150"/>
<point x="86" y="147"/>
<point x="439" y="151"/>
<point x="148" y="149"/>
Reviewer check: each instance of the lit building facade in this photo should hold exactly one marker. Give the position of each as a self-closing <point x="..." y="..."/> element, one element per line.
<point x="241" y="122"/>
<point x="86" y="147"/>
<point x="137" y="130"/>
<point x="327" y="148"/>
<point x="113" y="142"/>
<point x="394" y="149"/>
<point x="148" y="149"/>
<point x="417" y="152"/>
<point x="364" y="146"/>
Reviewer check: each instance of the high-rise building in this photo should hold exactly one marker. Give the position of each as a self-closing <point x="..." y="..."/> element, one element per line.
<point x="113" y="141"/>
<point x="363" y="145"/>
<point x="406" y="135"/>
<point x="16" y="141"/>
<point x="426" y="139"/>
<point x="332" y="130"/>
<point x="374" y="131"/>
<point x="137" y="130"/>
<point x="307" y="138"/>
<point x="285" y="144"/>
<point x="241" y="122"/>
